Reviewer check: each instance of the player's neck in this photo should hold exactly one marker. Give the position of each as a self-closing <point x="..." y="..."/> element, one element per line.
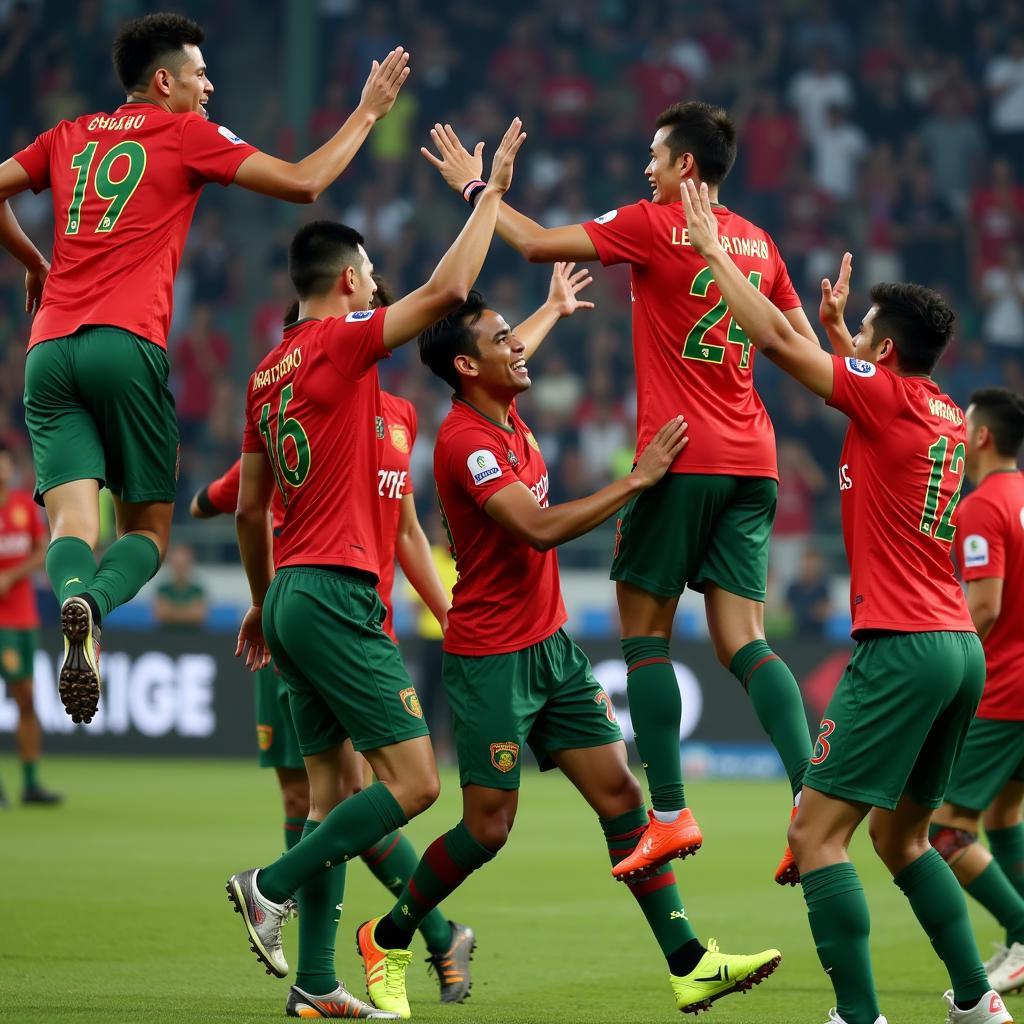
<point x="323" y="307"/>
<point x="996" y="465"/>
<point x="141" y="97"/>
<point x="495" y="409"/>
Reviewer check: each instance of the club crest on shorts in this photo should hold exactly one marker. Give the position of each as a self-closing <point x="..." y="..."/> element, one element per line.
<point x="504" y="756"/>
<point x="399" y="437"/>
<point x="264" y="736"/>
<point x="411" y="702"/>
<point x="11" y="660"/>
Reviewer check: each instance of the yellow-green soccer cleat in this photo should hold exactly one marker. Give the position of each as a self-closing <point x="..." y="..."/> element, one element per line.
<point x="385" y="971"/>
<point x="718" y="974"/>
<point x="80" y="671"/>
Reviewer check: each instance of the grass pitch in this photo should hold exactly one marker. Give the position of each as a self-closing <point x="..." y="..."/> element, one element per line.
<point x="114" y="907"/>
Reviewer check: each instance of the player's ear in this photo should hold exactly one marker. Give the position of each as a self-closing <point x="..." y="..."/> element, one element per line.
<point x="687" y="165"/>
<point x="465" y="366"/>
<point x="348" y="280"/>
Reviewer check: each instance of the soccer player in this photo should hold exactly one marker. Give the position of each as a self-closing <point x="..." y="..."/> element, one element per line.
<point x="97" y="404"/>
<point x="314" y="427"/>
<point x="512" y="673"/>
<point x="989" y="777"/>
<point x="897" y="721"/>
<point x="22" y="549"/>
<point x="707" y="524"/>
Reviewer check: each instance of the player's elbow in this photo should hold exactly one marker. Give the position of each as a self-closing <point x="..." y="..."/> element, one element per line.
<point x="984" y="617"/>
<point x="250" y="514"/>
<point x="535" y="251"/>
<point x="305" y="193"/>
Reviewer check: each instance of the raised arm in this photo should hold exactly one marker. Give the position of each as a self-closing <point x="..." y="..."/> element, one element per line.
<point x="832" y="310"/>
<point x="566" y="284"/>
<point x="302" y="182"/>
<point x="538" y="244"/>
<point x="766" y="326"/>
<point x="13" y="180"/>
<point x="459" y="267"/>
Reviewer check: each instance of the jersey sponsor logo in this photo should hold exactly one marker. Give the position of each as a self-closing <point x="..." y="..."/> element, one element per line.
<point x="483" y="465"/>
<point x="264" y="736"/>
<point x="360" y="314"/>
<point x="399" y="437"/>
<point x="391" y="483"/>
<point x="540" y="491"/>
<point x="411" y="702"/>
<point x="975" y="551"/>
<point x="14" y="544"/>
<point x="606" y="217"/>
<point x="845" y="481"/>
<point x="504" y="756"/>
<point x="230" y="136"/>
<point x="860" y="367"/>
<point x="822" y="748"/>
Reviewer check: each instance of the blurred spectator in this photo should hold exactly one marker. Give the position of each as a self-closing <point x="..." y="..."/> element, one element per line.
<point x="813" y="90"/>
<point x="820" y="31"/>
<point x="954" y="146"/>
<point x="180" y="601"/>
<point x="558" y="389"/>
<point x="808" y="596"/>
<point x="926" y="232"/>
<point x="996" y="217"/>
<point x="838" y="148"/>
<point x="771" y="149"/>
<point x="1002" y="290"/>
<point x="200" y="357"/>
<point x="1004" y="78"/>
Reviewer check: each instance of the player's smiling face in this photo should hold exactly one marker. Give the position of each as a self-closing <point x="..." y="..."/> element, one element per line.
<point x="501" y="366"/>
<point x="191" y="88"/>
<point x="662" y="171"/>
<point x="864" y="345"/>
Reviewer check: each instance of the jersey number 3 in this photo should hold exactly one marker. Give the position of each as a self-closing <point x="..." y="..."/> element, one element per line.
<point x="937" y="454"/>
<point x="695" y="346"/>
<point x="117" y="177"/>
<point x="290" y="468"/>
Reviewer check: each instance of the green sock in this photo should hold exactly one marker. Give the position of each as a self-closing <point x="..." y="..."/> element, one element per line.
<point x="656" y="893"/>
<point x="319" y="902"/>
<point x="353" y="825"/>
<point x="393" y="860"/>
<point x="841" y="925"/>
<point x="938" y="903"/>
<point x="655" y="708"/>
<point x="70" y="567"/>
<point x="1007" y="846"/>
<point x="129" y="562"/>
<point x="28" y="775"/>
<point x="293" y="831"/>
<point x="778" y="705"/>
<point x="446" y="863"/>
<point x="995" y="892"/>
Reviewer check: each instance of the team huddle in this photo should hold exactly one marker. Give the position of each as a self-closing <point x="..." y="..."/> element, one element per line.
<point x="913" y="738"/>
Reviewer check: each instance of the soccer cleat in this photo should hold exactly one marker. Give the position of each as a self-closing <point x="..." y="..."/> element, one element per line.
<point x="41" y="797"/>
<point x="452" y="967"/>
<point x="989" y="1009"/>
<point x="263" y="919"/>
<point x="339" y="1003"/>
<point x="385" y="971"/>
<point x="787" y="873"/>
<point x="717" y="974"/>
<point x="80" y="670"/>
<point x="999" y="954"/>
<point x="834" y="1018"/>
<point x="1008" y="974"/>
<point x="661" y="842"/>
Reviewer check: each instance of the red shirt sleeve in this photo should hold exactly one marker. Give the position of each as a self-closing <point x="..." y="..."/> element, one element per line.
<point x="223" y="492"/>
<point x="870" y="395"/>
<point x="479" y="465"/>
<point x="251" y="439"/>
<point x="211" y="152"/>
<point x="35" y="159"/>
<point x="356" y="343"/>
<point x="622" y="235"/>
<point x="783" y="294"/>
<point x="982" y="549"/>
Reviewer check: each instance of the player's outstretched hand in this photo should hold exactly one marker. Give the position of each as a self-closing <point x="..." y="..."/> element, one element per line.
<point x="505" y="156"/>
<point x="666" y="444"/>
<point x="34" y="281"/>
<point x="566" y="284"/>
<point x="384" y="82"/>
<point x="457" y="165"/>
<point x="251" y="644"/>
<point x="700" y="218"/>
<point x="833" y="297"/>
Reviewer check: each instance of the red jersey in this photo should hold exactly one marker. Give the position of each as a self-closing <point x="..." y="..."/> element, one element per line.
<point x="508" y="596"/>
<point x="691" y="358"/>
<point x="393" y="483"/>
<point x="21" y="528"/>
<point x="314" y="406"/>
<point x="900" y="476"/>
<point x="990" y="541"/>
<point x="125" y="186"/>
<point x="223" y="495"/>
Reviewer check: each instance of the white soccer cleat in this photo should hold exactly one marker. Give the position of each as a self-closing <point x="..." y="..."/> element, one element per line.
<point x="989" y="1009"/>
<point x="263" y="919"/>
<point x="834" y="1018"/>
<point x="992" y="964"/>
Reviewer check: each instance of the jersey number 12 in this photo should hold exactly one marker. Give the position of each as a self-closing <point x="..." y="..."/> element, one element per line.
<point x="937" y="453"/>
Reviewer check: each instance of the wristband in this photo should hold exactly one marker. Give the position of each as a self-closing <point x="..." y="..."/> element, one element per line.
<point x="471" y="187"/>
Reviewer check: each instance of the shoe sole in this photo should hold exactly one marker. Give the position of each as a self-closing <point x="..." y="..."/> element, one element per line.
<point x="744" y="986"/>
<point x="467" y="993"/>
<point x="679" y="854"/>
<point x="79" y="682"/>
<point x="238" y="902"/>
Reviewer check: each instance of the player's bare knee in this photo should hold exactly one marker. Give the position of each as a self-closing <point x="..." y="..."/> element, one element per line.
<point x="493" y="830"/>
<point x="416" y="795"/>
<point x="952" y="843"/>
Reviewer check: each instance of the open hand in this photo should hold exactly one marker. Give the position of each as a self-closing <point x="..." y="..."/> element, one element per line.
<point x="700" y="218"/>
<point x="34" y="281"/>
<point x="505" y="156"/>
<point x="384" y="82"/>
<point x="666" y="444"/>
<point x="833" y="298"/>
<point x="251" y="644"/>
<point x="566" y="284"/>
<point x="457" y="165"/>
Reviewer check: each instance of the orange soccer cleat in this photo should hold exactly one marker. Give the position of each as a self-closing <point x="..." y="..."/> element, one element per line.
<point x="787" y="873"/>
<point x="661" y="842"/>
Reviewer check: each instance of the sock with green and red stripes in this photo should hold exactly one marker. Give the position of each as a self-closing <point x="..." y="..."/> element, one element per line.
<point x="293" y="831"/>
<point x="774" y="692"/>
<point x="656" y="894"/>
<point x="655" y="709"/>
<point x="446" y="863"/>
<point x="319" y="902"/>
<point x="393" y="860"/>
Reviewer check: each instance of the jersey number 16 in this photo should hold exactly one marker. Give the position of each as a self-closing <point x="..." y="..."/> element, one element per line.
<point x="290" y="468"/>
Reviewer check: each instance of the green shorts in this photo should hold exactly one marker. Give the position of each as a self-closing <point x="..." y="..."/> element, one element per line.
<point x="97" y="407"/>
<point x="275" y="730"/>
<point x="898" y="719"/>
<point x="17" y="654"/>
<point x="694" y="529"/>
<point x="344" y="674"/>
<point x="992" y="756"/>
<point x="545" y="695"/>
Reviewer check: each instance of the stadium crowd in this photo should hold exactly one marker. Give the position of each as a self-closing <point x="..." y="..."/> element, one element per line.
<point x="895" y="129"/>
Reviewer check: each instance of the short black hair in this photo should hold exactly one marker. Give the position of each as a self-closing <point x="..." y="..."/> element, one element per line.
<point x="704" y="130"/>
<point x="453" y="336"/>
<point x="144" y="43"/>
<point x="919" y="321"/>
<point x="319" y="252"/>
<point x="291" y="314"/>
<point x="1002" y="411"/>
<point x="383" y="296"/>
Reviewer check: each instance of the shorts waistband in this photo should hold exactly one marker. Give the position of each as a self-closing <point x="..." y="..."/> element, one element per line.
<point x="344" y="571"/>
